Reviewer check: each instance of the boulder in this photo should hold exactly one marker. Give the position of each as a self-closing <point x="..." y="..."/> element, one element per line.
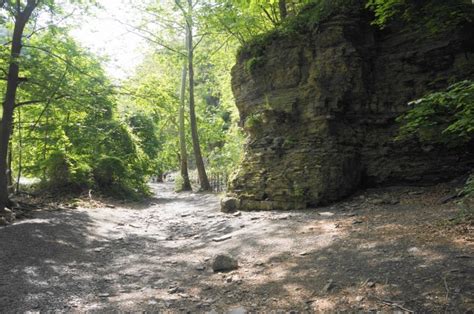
<point x="6" y="217"/>
<point x="229" y="204"/>
<point x="224" y="262"/>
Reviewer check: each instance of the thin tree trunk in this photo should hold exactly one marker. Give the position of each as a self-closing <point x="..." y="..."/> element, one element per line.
<point x="20" y="152"/>
<point x="186" y="185"/>
<point x="11" y="187"/>
<point x="45" y="145"/>
<point x="204" y="181"/>
<point x="282" y="7"/>
<point x="10" y="97"/>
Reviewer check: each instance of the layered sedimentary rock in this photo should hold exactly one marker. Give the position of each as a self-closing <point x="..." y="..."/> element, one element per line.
<point x="319" y="108"/>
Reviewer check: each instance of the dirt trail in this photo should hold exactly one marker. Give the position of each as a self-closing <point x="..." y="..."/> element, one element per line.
<point x="363" y="254"/>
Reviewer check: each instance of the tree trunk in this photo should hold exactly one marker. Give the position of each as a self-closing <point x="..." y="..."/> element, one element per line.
<point x="20" y="152"/>
<point x="282" y="7"/>
<point x="204" y="182"/>
<point x="11" y="187"/>
<point x="10" y="96"/>
<point x="45" y="145"/>
<point x="186" y="185"/>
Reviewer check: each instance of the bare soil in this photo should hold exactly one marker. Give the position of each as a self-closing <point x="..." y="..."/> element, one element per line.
<point x="382" y="250"/>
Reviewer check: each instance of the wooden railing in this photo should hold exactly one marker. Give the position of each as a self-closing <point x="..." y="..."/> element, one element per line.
<point x="217" y="180"/>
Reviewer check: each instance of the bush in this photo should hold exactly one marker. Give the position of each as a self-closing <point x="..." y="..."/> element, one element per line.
<point x="178" y="183"/>
<point x="469" y="187"/>
<point x="57" y="169"/>
<point x="445" y="117"/>
<point x="109" y="171"/>
<point x="435" y="16"/>
<point x="66" y="172"/>
<point x="114" y="178"/>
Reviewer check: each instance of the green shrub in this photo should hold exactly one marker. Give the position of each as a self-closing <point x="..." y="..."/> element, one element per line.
<point x="114" y="178"/>
<point x="66" y="172"/>
<point x="443" y="117"/>
<point x="57" y="169"/>
<point x="109" y="171"/>
<point x="178" y="183"/>
<point x="309" y="18"/>
<point x="469" y="187"/>
<point x="252" y="64"/>
<point x="435" y="16"/>
<point x="254" y="121"/>
<point x="81" y="174"/>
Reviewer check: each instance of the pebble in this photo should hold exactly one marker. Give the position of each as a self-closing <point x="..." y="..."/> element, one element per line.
<point x="237" y="214"/>
<point x="238" y="310"/>
<point x="378" y="201"/>
<point x="329" y="286"/>
<point x="223" y="238"/>
<point x="326" y="214"/>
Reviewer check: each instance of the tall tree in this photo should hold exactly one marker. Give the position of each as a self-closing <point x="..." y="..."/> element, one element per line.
<point x="21" y="14"/>
<point x="186" y="185"/>
<point x="282" y="7"/>
<point x="203" y="180"/>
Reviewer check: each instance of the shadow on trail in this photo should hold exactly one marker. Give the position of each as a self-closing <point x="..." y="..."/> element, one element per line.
<point x="47" y="260"/>
<point x="62" y="261"/>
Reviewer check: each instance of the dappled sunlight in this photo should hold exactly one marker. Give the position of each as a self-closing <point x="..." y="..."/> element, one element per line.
<point x="160" y="256"/>
<point x="236" y="156"/>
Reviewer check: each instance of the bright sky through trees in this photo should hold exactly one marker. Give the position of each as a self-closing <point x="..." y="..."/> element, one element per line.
<point x="106" y="33"/>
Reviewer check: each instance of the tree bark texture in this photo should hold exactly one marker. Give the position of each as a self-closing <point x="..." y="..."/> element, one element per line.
<point x="204" y="181"/>
<point x="21" y="19"/>
<point x="186" y="185"/>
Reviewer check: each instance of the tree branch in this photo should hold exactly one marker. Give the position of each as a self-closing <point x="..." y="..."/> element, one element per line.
<point x="153" y="40"/>
<point x="39" y="101"/>
<point x="48" y="102"/>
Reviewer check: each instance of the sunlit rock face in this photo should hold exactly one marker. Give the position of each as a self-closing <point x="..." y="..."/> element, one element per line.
<point x="319" y="108"/>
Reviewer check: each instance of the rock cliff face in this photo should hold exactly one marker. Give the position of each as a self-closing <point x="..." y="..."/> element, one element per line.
<point x="319" y="108"/>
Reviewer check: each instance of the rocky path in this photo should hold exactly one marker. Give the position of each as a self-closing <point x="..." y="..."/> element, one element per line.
<point x="368" y="253"/>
